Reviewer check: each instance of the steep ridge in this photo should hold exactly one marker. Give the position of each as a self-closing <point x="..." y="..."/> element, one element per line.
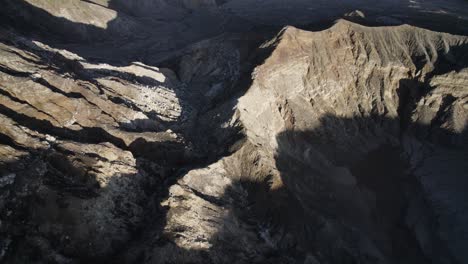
<point x="346" y="129"/>
<point x="345" y="145"/>
<point x="324" y="100"/>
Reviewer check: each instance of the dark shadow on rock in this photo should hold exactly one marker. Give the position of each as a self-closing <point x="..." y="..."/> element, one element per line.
<point x="337" y="193"/>
<point x="301" y="213"/>
<point x="49" y="179"/>
<point x="312" y="214"/>
<point x="335" y="200"/>
<point x="56" y="208"/>
<point x="331" y="202"/>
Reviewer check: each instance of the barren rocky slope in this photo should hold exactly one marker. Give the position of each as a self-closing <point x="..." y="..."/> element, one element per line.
<point x="231" y="140"/>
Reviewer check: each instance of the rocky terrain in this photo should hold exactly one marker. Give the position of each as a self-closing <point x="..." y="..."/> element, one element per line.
<point x="209" y="131"/>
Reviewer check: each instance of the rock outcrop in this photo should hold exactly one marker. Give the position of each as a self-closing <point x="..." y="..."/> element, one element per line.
<point x="338" y="165"/>
<point x="324" y="100"/>
<point x="75" y="138"/>
<point x="227" y="144"/>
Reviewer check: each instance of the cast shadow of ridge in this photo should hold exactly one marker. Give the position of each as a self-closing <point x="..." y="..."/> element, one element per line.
<point x="334" y="141"/>
<point x="301" y="160"/>
<point x="345" y="192"/>
<point x="78" y="202"/>
<point x="350" y="193"/>
<point x="75" y="206"/>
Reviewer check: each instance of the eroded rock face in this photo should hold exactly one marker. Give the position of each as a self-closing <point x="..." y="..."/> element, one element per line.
<point x="75" y="139"/>
<point x="344" y="145"/>
<point x="336" y="166"/>
<point x="322" y="100"/>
